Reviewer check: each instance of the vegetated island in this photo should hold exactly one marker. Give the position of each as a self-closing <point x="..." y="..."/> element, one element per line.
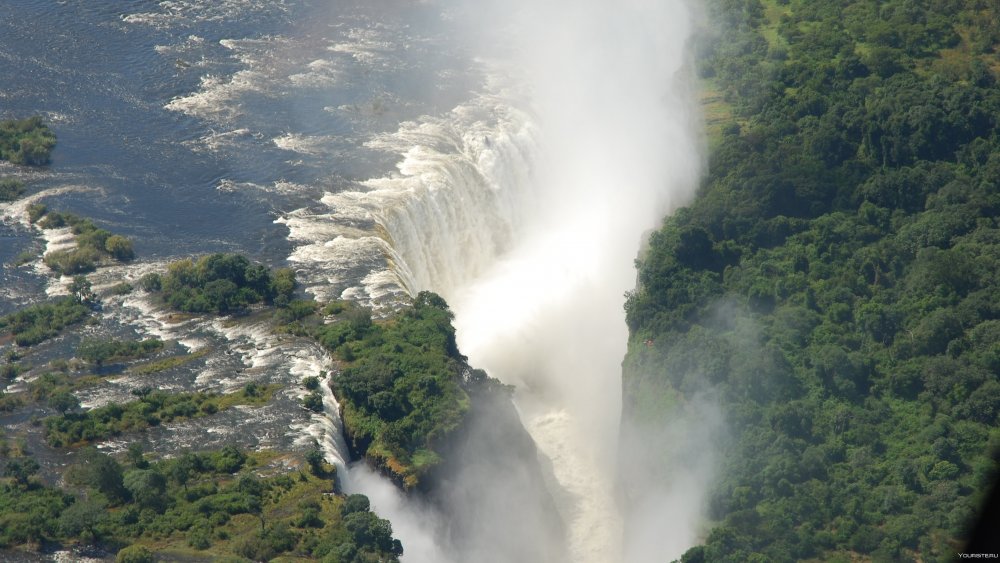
<point x="23" y="141"/>
<point x="220" y="505"/>
<point x="404" y="388"/>
<point x="26" y="141"/>
<point x="93" y="244"/>
<point x="833" y="286"/>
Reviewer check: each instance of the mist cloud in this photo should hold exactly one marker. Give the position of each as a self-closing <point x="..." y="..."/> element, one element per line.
<point x="610" y="86"/>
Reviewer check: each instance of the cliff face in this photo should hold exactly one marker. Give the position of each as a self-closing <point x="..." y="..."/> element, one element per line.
<point x="492" y="488"/>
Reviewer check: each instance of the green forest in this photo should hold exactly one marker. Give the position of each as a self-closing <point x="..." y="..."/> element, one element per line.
<point x="403" y="386"/>
<point x="195" y="506"/>
<point x="222" y="505"/>
<point x="833" y="285"/>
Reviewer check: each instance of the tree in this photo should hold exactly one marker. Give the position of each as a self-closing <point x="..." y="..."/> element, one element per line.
<point x="100" y="472"/>
<point x="147" y="487"/>
<point x="120" y="248"/>
<point x="181" y="469"/>
<point x="134" y="554"/>
<point x="316" y="461"/>
<point x="81" y="516"/>
<point x="81" y="289"/>
<point x="63" y="402"/>
<point x="369" y="530"/>
<point x="251" y="486"/>
<point x="135" y="456"/>
<point x="313" y="401"/>
<point x="10" y="189"/>
<point x="355" y="503"/>
<point x="21" y="469"/>
<point x="151" y="282"/>
<point x="282" y="286"/>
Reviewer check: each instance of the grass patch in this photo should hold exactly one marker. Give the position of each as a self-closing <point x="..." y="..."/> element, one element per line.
<point x="100" y="351"/>
<point x="168" y="363"/>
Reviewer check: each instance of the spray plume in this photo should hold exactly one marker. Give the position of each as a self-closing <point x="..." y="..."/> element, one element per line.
<point x="601" y="101"/>
<point x="619" y="148"/>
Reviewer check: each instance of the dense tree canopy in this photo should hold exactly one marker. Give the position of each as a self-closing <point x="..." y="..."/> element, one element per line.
<point x="212" y="502"/>
<point x="221" y="283"/>
<point x="402" y="388"/>
<point x="834" y="283"/>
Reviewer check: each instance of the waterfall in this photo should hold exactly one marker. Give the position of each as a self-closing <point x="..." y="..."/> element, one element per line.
<point x="525" y="212"/>
<point x="331" y="439"/>
<point x="455" y="203"/>
<point x="535" y="265"/>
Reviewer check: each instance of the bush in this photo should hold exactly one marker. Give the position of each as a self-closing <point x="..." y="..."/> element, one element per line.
<point x="313" y="401"/>
<point x="151" y="282"/>
<point x="37" y="323"/>
<point x="123" y="288"/>
<point x="36" y="211"/>
<point x="199" y="536"/>
<point x="134" y="554"/>
<point x="120" y="248"/>
<point x="10" y="189"/>
<point x="72" y="262"/>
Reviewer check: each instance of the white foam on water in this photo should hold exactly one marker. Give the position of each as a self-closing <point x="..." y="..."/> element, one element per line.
<point x="172" y="13"/>
<point x="374" y="46"/>
<point x="339" y="255"/>
<point x="320" y="73"/>
<point x="313" y="145"/>
<point x="218" y="96"/>
<point x="58" y="240"/>
<point x="138" y="310"/>
<point x="218" y="141"/>
<point x="17" y="210"/>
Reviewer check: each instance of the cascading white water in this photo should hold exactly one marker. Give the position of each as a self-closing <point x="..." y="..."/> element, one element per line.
<point x="524" y="208"/>
<point x="465" y="175"/>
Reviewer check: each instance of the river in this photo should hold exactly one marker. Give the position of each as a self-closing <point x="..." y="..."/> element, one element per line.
<point x="509" y="156"/>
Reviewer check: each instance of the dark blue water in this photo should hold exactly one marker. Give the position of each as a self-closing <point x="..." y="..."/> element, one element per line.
<point x="103" y="73"/>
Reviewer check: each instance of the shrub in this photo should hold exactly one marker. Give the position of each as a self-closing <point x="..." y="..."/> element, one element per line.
<point x="10" y="189"/>
<point x="134" y="554"/>
<point x="120" y="248"/>
<point x="313" y="401"/>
